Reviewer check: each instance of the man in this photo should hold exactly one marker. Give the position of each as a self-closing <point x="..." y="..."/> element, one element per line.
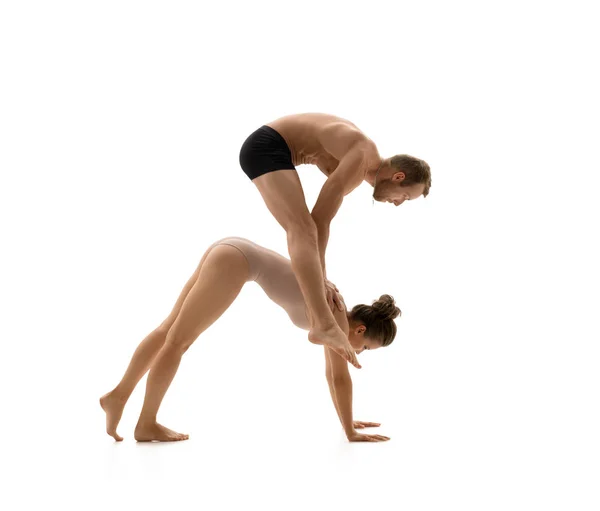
<point x="347" y="157"/>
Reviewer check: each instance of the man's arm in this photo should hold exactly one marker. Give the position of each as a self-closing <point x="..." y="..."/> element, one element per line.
<point x="349" y="173"/>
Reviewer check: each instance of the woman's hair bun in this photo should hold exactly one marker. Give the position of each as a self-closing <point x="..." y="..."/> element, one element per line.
<point x="386" y="308"/>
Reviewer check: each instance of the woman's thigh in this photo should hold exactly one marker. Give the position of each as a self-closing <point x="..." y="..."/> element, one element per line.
<point x="220" y="279"/>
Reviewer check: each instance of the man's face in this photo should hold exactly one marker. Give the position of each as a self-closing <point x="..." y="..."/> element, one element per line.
<point x="391" y="190"/>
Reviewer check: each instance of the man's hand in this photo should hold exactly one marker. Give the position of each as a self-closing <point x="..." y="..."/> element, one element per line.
<point x="355" y="436"/>
<point x="362" y="424"/>
<point x="333" y="296"/>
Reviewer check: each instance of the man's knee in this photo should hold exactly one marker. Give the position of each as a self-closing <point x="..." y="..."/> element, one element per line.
<point x="303" y="228"/>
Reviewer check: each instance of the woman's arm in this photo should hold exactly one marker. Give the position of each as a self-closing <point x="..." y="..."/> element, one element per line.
<point x="338" y="377"/>
<point x="340" y="388"/>
<point x="332" y="389"/>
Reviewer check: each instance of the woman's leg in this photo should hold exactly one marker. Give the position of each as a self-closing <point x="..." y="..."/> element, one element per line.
<point x="114" y="401"/>
<point x="221" y="278"/>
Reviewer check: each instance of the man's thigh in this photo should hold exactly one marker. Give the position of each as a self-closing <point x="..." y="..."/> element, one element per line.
<point x="284" y="196"/>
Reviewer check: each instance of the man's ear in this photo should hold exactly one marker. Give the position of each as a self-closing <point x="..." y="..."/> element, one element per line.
<point x="399" y="176"/>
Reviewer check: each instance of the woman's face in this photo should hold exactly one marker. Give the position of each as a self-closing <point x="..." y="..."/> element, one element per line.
<point x="358" y="340"/>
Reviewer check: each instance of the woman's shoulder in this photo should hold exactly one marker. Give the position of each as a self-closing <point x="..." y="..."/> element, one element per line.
<point x="341" y="316"/>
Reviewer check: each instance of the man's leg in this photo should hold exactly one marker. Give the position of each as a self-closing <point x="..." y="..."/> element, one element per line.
<point x="283" y="194"/>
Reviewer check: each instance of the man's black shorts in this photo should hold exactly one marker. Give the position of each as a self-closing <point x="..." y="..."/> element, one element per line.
<point x="264" y="151"/>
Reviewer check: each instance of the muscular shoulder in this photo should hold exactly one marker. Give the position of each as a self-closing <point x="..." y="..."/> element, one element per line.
<point x="340" y="133"/>
<point x="339" y="137"/>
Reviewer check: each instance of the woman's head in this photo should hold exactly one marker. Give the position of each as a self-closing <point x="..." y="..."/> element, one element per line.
<point x="372" y="326"/>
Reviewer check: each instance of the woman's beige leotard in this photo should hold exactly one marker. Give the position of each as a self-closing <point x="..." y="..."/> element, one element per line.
<point x="274" y="274"/>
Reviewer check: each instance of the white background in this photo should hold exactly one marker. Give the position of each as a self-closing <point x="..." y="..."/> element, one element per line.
<point x="120" y="128"/>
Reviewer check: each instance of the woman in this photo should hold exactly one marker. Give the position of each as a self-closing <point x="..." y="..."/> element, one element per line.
<point x="223" y="270"/>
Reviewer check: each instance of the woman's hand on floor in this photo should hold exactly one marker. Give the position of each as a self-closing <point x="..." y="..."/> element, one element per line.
<point x="355" y="436"/>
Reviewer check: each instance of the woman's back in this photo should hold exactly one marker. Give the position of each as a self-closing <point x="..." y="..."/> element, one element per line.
<point x="274" y="274"/>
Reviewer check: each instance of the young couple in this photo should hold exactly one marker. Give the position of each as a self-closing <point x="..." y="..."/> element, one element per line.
<point x="299" y="285"/>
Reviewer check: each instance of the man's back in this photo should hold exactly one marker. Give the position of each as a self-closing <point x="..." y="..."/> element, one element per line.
<point x="318" y="139"/>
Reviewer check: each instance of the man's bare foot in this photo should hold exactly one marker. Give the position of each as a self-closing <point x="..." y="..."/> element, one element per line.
<point x="154" y="432"/>
<point x="334" y="338"/>
<point x="113" y="406"/>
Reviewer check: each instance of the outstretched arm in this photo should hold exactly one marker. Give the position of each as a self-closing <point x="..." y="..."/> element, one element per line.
<point x="340" y="388"/>
<point x="354" y="153"/>
<point x="345" y="178"/>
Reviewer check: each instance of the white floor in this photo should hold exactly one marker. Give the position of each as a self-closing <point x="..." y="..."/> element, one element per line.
<point x="461" y="439"/>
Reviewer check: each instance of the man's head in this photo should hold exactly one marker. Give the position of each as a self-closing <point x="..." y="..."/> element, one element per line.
<point x="400" y="178"/>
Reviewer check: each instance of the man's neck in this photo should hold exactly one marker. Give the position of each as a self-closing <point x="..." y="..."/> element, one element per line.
<point x="372" y="174"/>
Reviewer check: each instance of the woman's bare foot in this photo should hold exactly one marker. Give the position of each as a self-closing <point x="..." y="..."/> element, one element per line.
<point x="113" y="406"/>
<point x="154" y="432"/>
<point x="334" y="338"/>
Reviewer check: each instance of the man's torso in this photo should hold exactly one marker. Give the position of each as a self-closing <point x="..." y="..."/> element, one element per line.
<point x="305" y="133"/>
